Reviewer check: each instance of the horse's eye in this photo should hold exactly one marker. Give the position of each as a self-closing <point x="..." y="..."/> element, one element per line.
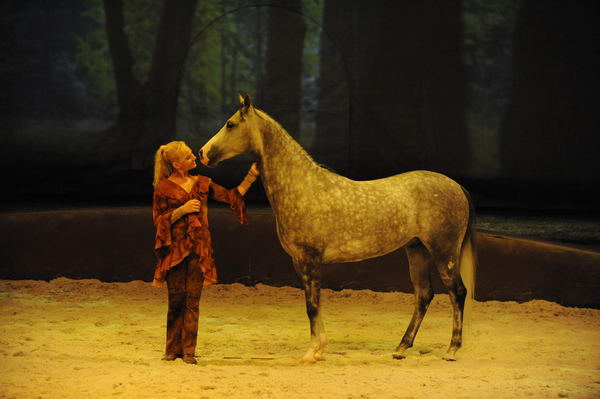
<point x="230" y="125"/>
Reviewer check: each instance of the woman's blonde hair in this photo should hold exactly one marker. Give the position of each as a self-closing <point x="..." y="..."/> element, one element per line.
<point x="164" y="158"/>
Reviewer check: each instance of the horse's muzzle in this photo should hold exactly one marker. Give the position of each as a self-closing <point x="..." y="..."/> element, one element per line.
<point x="201" y="157"/>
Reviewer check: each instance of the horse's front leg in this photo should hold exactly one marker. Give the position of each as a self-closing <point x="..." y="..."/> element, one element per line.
<point x="310" y="273"/>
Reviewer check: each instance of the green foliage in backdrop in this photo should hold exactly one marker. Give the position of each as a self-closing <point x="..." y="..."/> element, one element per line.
<point x="226" y="54"/>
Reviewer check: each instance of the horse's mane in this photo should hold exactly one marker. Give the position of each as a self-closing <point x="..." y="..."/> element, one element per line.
<point x="275" y="128"/>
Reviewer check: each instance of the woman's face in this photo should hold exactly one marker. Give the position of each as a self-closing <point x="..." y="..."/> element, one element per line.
<point x="187" y="160"/>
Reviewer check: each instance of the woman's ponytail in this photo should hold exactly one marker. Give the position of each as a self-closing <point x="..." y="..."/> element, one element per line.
<point x="162" y="169"/>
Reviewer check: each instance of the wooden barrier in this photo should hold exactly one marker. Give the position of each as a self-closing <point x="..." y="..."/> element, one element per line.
<point x="116" y="244"/>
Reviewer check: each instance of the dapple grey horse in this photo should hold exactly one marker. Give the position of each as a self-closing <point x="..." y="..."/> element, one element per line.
<point x="323" y="218"/>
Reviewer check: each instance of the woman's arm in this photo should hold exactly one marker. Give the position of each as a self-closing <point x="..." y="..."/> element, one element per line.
<point x="222" y="194"/>
<point x="233" y="197"/>
<point x="161" y="213"/>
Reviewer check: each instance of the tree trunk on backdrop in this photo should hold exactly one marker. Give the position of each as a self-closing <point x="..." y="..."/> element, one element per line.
<point x="551" y="135"/>
<point x="406" y="83"/>
<point x="281" y="92"/>
<point x="122" y="60"/>
<point x="258" y="58"/>
<point x="223" y="52"/>
<point x="147" y="112"/>
<point x="331" y="144"/>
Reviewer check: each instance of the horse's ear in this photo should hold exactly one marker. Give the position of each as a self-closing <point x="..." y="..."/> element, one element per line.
<point x="245" y="102"/>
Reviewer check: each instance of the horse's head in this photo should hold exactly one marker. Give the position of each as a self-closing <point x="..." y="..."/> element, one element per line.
<point x="234" y="138"/>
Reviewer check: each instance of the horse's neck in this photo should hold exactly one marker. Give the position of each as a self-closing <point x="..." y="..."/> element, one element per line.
<point x="286" y="166"/>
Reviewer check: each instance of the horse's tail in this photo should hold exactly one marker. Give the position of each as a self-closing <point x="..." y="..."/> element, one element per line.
<point x="468" y="252"/>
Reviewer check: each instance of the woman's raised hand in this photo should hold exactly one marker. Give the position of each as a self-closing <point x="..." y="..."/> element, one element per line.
<point x="251" y="176"/>
<point x="254" y="170"/>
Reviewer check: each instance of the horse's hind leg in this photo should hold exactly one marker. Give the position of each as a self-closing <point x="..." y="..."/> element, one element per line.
<point x="449" y="271"/>
<point x="420" y="263"/>
<point x="311" y="281"/>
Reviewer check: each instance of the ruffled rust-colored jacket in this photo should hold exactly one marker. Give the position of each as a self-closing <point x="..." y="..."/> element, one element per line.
<point x="190" y="233"/>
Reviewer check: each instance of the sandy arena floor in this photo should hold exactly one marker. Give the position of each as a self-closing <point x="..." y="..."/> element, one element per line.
<point x="88" y="339"/>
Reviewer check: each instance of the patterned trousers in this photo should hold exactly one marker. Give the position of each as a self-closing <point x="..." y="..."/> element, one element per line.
<point x="184" y="283"/>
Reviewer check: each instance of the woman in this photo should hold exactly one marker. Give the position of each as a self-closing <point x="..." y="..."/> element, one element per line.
<point x="183" y="242"/>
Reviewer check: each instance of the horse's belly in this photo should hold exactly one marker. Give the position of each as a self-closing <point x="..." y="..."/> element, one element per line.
<point x="354" y="250"/>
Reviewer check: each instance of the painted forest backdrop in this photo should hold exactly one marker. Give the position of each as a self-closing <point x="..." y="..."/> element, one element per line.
<point x="501" y="95"/>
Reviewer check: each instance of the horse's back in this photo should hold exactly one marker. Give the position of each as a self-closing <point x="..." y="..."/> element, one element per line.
<point x="413" y="186"/>
<point x="421" y="198"/>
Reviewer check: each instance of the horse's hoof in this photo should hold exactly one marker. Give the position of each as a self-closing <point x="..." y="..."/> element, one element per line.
<point x="307" y="362"/>
<point x="449" y="357"/>
<point x="399" y="356"/>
